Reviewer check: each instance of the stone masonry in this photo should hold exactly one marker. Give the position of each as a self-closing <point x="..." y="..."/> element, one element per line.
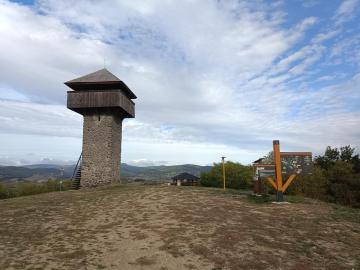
<point x="101" y="149"/>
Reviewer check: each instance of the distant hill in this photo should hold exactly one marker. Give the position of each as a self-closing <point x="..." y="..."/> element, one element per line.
<point x="9" y="173"/>
<point x="41" y="172"/>
<point x="160" y="172"/>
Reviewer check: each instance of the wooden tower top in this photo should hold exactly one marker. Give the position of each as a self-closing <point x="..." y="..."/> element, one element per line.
<point x="100" y="80"/>
<point x="99" y="91"/>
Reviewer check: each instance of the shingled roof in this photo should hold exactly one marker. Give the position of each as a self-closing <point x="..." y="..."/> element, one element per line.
<point x="99" y="80"/>
<point x="185" y="176"/>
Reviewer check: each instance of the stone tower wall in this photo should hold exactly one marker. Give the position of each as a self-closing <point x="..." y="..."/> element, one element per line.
<point x="101" y="149"/>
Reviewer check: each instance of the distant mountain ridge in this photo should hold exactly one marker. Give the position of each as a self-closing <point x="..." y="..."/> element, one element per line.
<point x="42" y="172"/>
<point x="160" y="172"/>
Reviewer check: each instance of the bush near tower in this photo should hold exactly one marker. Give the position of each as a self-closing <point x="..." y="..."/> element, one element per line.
<point x="237" y="176"/>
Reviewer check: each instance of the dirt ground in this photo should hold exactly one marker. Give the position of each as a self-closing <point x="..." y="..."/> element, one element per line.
<point x="162" y="227"/>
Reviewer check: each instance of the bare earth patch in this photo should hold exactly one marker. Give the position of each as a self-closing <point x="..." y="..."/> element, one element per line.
<point x="161" y="227"/>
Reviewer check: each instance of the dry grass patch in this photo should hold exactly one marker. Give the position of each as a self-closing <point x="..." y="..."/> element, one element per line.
<point x="161" y="227"/>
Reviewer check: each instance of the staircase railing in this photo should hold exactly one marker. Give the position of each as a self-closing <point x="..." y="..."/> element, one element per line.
<point x="76" y="167"/>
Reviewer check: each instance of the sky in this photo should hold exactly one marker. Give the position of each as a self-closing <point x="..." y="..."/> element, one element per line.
<point x="213" y="77"/>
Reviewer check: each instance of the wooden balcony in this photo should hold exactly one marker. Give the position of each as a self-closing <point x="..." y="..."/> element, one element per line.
<point x="83" y="101"/>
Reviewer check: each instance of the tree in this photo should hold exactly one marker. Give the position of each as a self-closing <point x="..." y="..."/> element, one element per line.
<point x="237" y="176"/>
<point x="269" y="158"/>
<point x="340" y="177"/>
<point x="355" y="161"/>
<point x="313" y="186"/>
<point x="332" y="154"/>
<point x="346" y="153"/>
<point x="330" y="157"/>
<point x="339" y="180"/>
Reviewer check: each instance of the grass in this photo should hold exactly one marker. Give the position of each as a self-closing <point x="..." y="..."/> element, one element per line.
<point x="261" y="199"/>
<point x="168" y="227"/>
<point x="26" y="188"/>
<point x="266" y="198"/>
<point x="341" y="213"/>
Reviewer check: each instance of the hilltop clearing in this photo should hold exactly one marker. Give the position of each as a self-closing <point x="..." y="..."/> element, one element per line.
<point x="167" y="227"/>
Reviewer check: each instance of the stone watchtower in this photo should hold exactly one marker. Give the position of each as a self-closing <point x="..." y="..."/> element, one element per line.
<point x="104" y="101"/>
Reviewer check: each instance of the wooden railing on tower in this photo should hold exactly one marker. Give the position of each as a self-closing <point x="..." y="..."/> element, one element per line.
<point x="76" y="177"/>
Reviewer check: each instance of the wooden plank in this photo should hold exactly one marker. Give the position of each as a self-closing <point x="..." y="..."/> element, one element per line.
<point x="100" y="99"/>
<point x="288" y="182"/>
<point x="295" y="153"/>
<point x="271" y="181"/>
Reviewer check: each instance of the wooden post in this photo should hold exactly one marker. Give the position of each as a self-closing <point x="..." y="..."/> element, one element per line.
<point x="278" y="172"/>
<point x="271" y="181"/>
<point x="288" y="182"/>
<point x="223" y="165"/>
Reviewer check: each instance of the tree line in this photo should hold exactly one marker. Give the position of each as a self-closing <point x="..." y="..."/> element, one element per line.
<point x="335" y="177"/>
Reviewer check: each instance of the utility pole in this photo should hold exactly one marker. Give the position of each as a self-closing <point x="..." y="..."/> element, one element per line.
<point x="224" y="178"/>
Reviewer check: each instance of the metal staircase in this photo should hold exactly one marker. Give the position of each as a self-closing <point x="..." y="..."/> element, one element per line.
<point x="76" y="177"/>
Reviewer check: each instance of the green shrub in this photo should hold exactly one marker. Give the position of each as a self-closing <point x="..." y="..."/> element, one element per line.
<point x="237" y="176"/>
<point x="17" y="189"/>
<point x="313" y="186"/>
<point x="335" y="178"/>
<point x="3" y="192"/>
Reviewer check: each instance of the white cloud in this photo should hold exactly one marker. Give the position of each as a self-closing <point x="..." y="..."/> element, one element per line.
<point x="24" y="149"/>
<point x="40" y="53"/>
<point x="345" y="11"/>
<point x="345" y="50"/>
<point x="321" y="37"/>
<point x="307" y="62"/>
<point x="211" y="76"/>
<point x="146" y="163"/>
<point x="38" y="119"/>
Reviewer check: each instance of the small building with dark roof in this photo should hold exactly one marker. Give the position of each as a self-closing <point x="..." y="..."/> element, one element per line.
<point x="258" y="161"/>
<point x="185" y="179"/>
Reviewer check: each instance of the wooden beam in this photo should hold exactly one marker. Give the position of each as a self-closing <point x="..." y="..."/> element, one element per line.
<point x="288" y="182"/>
<point x="271" y="181"/>
<point x="78" y="101"/>
<point x="277" y="159"/>
<point x="278" y="172"/>
<point x="295" y="153"/>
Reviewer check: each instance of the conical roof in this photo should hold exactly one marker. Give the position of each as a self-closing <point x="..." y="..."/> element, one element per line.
<point x="99" y="80"/>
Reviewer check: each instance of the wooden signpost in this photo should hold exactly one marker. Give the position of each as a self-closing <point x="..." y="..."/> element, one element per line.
<point x="288" y="164"/>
